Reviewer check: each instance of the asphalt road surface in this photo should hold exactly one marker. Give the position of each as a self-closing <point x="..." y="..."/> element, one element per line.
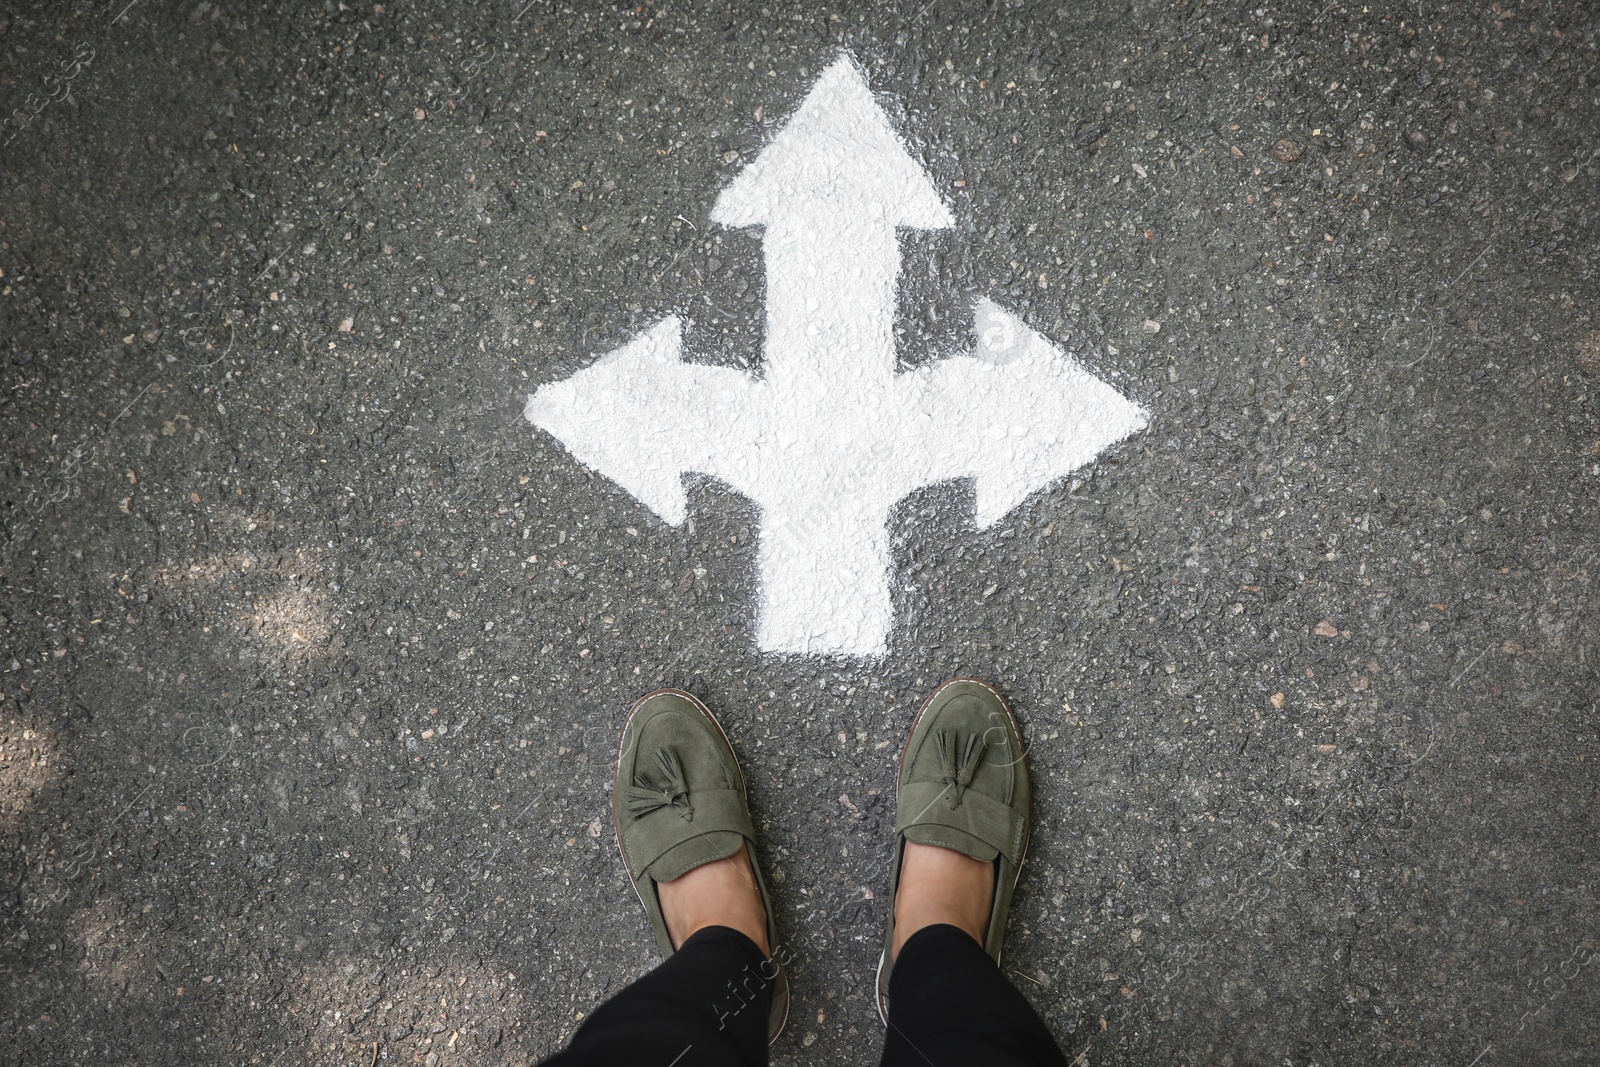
<point x="315" y="650"/>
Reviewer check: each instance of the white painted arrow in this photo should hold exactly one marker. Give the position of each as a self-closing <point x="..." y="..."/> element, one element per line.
<point x="831" y="190"/>
<point x="830" y="436"/>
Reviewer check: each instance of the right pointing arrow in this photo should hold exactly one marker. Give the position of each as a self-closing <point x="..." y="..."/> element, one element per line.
<point x="1016" y="415"/>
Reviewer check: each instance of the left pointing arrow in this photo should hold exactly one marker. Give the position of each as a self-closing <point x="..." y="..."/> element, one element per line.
<point x="642" y="417"/>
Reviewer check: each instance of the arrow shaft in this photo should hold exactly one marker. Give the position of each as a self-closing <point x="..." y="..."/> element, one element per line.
<point x="824" y="577"/>
<point x="830" y="305"/>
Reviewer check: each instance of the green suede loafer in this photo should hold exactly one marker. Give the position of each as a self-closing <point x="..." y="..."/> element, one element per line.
<point x="964" y="786"/>
<point x="678" y="802"/>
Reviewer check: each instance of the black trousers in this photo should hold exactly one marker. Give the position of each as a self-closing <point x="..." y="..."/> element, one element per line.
<point x="707" y="1006"/>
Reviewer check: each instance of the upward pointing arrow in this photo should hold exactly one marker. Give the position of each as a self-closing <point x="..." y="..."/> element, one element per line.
<point x="831" y="190"/>
<point x="830" y="437"/>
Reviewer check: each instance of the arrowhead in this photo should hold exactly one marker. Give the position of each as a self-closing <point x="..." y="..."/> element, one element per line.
<point x="1019" y="414"/>
<point x="610" y="416"/>
<point x="839" y="157"/>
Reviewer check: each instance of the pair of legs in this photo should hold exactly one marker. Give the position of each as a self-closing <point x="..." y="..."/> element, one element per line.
<point x="705" y="1005"/>
<point x="721" y="994"/>
<point x="937" y="885"/>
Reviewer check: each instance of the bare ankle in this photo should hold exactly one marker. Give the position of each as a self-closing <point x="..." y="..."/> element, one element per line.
<point x="720" y="893"/>
<point x="942" y="886"/>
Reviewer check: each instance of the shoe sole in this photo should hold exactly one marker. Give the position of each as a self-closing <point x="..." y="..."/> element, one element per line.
<point x="883" y="957"/>
<point x="616" y="825"/>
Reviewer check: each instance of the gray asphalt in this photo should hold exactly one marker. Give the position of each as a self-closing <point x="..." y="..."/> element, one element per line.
<point x="315" y="652"/>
